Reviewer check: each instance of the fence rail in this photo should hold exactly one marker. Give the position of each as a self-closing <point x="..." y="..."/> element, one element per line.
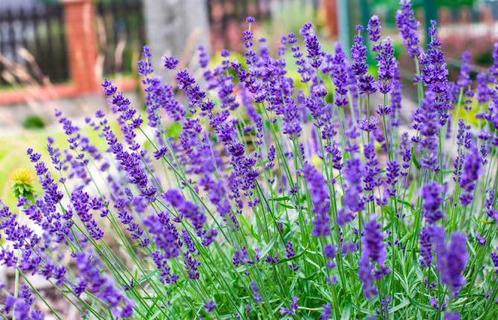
<point x="33" y="44"/>
<point x="121" y="33"/>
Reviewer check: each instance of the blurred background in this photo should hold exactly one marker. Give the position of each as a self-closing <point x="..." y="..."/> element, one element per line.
<point x="61" y="49"/>
<point x="55" y="53"/>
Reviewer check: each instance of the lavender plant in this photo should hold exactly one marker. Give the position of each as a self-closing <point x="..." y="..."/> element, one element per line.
<point x="280" y="198"/>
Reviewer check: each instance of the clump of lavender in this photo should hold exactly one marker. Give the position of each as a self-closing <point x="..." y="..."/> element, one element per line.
<point x="281" y="196"/>
<point x="373" y="258"/>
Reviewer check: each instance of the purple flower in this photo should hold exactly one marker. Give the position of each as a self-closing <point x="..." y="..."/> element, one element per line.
<point x="406" y="154"/>
<point x="408" y="26"/>
<point x="312" y="45"/>
<point x="190" y="211"/>
<point x="464" y="79"/>
<point x="470" y="174"/>
<point x="22" y="307"/>
<point x="170" y="62"/>
<point x="360" y="81"/>
<point x="289" y="250"/>
<point x="452" y="316"/>
<point x="192" y="266"/>
<point x="483" y="91"/>
<point x="374" y="29"/>
<point x="489" y="205"/>
<point x="292" y="309"/>
<point x="392" y="174"/>
<point x="373" y="258"/>
<point x="425" y="121"/>
<point x="241" y="257"/>
<point x="373" y="241"/>
<point x="81" y="204"/>
<point x="165" y="234"/>
<point x="452" y="258"/>
<point x="145" y="67"/>
<point x="203" y="57"/>
<point x="432" y="195"/>
<point x="435" y="74"/>
<point x="494" y="258"/>
<point x="320" y="198"/>
<point x="326" y="312"/>
<point x="426" y="247"/>
<point x="456" y="259"/>
<point x="330" y="251"/>
<point x="387" y="66"/>
<point x="256" y="293"/>
<point x="210" y="306"/>
<point x="103" y="286"/>
<point x="359" y="50"/>
<point x="354" y="171"/>
<point x="372" y="170"/>
<point x="339" y="72"/>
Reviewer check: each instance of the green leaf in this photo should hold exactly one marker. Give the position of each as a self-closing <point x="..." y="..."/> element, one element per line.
<point x="346" y="312"/>
<point x="415" y="161"/>
<point x="282" y="198"/>
<point x="400" y="306"/>
<point x="174" y="130"/>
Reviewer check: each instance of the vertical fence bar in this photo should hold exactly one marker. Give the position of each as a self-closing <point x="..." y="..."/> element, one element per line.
<point x="430" y="12"/>
<point x="343" y="15"/>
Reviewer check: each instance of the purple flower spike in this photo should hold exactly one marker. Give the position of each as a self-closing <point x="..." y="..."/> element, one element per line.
<point x="464" y="79"/>
<point x="387" y="66"/>
<point x="456" y="260"/>
<point x="470" y="174"/>
<point x="452" y="259"/>
<point x="312" y="45"/>
<point x="170" y="62"/>
<point x="321" y="200"/>
<point x="374" y="29"/>
<point x="210" y="306"/>
<point x="326" y="312"/>
<point x="452" y="316"/>
<point x="373" y="258"/>
<point x="340" y="76"/>
<point x="408" y="26"/>
<point x="432" y="195"/>
<point x="426" y="247"/>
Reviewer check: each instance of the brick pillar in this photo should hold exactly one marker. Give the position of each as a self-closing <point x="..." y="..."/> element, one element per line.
<point x="444" y="16"/>
<point x="331" y="18"/>
<point x="81" y="38"/>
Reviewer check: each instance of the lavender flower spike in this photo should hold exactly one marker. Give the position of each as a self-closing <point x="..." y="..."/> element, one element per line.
<point x="408" y="26"/>
<point x="456" y="260"/>
<point x="321" y="200"/>
<point x="373" y="258"/>
<point x="374" y="29"/>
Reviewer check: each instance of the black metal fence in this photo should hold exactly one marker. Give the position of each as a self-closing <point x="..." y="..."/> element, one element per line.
<point x="226" y="16"/>
<point x="121" y="33"/>
<point x="32" y="44"/>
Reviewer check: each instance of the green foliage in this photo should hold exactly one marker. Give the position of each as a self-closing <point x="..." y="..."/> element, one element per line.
<point x="33" y="122"/>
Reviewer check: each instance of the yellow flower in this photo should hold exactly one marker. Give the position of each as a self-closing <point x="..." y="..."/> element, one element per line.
<point x="22" y="176"/>
<point x="317" y="162"/>
<point x="22" y="181"/>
